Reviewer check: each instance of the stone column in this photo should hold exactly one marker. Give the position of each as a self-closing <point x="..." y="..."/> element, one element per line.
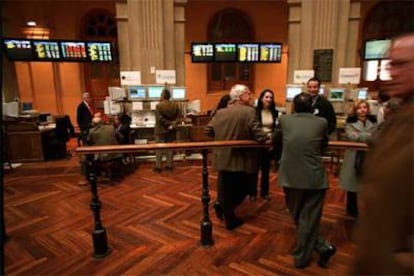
<point x="322" y="24"/>
<point x="179" y="31"/>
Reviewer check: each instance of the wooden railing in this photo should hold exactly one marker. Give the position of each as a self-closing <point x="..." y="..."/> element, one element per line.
<point x="99" y="238"/>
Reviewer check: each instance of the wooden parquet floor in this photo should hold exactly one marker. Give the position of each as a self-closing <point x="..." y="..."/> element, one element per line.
<point x="153" y="226"/>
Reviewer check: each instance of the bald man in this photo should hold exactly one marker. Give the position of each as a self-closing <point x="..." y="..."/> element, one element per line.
<point x="385" y="235"/>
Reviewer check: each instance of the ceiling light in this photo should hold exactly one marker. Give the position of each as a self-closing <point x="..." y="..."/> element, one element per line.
<point x="31" y="23"/>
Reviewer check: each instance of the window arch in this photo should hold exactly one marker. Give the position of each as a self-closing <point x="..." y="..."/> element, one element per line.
<point x="100" y="25"/>
<point x="225" y="26"/>
<point x="385" y="20"/>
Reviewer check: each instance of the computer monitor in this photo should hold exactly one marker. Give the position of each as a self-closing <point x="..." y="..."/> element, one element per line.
<point x="178" y="93"/>
<point x="116" y="93"/>
<point x="154" y="92"/>
<point x="292" y="91"/>
<point x="27" y="106"/>
<point x="336" y="94"/>
<point x="137" y="93"/>
<point x="362" y="93"/>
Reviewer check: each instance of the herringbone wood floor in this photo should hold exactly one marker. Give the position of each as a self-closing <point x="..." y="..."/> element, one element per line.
<point x="153" y="226"/>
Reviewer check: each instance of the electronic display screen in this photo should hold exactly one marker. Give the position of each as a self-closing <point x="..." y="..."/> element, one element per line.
<point x="99" y="51"/>
<point x="73" y="50"/>
<point x="336" y="94"/>
<point x="137" y="93"/>
<point x="178" y="93"/>
<point x="225" y="52"/>
<point x="248" y="52"/>
<point x="292" y="91"/>
<point x="202" y="52"/>
<point x="362" y="93"/>
<point x="376" y="49"/>
<point x="270" y="52"/>
<point x="18" y="49"/>
<point x="46" y="50"/>
<point x="154" y="92"/>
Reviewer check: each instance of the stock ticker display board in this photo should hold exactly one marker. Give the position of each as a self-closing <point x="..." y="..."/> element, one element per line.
<point x="18" y="49"/>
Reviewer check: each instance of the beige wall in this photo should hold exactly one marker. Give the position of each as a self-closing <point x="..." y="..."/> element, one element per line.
<point x="269" y="19"/>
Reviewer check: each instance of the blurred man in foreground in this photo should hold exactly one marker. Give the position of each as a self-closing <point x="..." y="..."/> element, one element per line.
<point x="385" y="237"/>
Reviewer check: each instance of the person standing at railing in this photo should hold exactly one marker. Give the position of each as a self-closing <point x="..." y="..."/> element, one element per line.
<point x="302" y="175"/>
<point x="384" y="240"/>
<point x="238" y="166"/>
<point x="360" y="127"/>
<point x="267" y="116"/>
<point x="166" y="115"/>
<point x="84" y="115"/>
<point x="225" y="101"/>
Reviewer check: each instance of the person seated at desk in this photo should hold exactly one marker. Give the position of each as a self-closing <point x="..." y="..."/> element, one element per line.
<point x="122" y="129"/>
<point x="100" y="135"/>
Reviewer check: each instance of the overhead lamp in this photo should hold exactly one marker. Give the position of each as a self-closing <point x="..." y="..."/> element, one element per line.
<point x="31" y="23"/>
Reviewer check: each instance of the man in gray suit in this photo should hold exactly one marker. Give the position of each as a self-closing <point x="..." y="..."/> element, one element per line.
<point x="238" y="166"/>
<point x="302" y="175"/>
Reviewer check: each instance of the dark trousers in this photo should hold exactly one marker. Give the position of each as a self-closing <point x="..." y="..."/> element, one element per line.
<point x="352" y="203"/>
<point x="220" y="187"/>
<point x="266" y="158"/>
<point x="235" y="189"/>
<point x="305" y="207"/>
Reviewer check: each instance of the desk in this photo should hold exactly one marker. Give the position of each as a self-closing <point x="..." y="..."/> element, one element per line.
<point x="28" y="143"/>
<point x="147" y="132"/>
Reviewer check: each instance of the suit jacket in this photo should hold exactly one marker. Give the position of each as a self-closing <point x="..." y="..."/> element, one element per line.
<point x="166" y="114"/>
<point x="387" y="222"/>
<point x="237" y="122"/>
<point x="303" y="136"/>
<point x="84" y="116"/>
<point x="101" y="135"/>
<point x="323" y="108"/>
<point x="355" y="131"/>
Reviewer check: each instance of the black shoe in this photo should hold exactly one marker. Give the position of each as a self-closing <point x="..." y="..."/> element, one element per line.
<point x="168" y="168"/>
<point x="326" y="254"/>
<point x="219" y="210"/>
<point x="157" y="170"/>
<point x="234" y="224"/>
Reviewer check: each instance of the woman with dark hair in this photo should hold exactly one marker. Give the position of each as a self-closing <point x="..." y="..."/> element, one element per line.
<point x="225" y="101"/>
<point x="267" y="116"/>
<point x="359" y="127"/>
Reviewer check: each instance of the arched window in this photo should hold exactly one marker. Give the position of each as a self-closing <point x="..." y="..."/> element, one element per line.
<point x="386" y="20"/>
<point x="229" y="25"/>
<point x="100" y="25"/>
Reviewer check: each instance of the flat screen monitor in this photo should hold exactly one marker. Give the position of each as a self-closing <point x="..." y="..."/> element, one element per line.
<point x="336" y="94"/>
<point x="73" y="51"/>
<point x="46" y="50"/>
<point x="27" y="106"/>
<point x="99" y="51"/>
<point x="137" y="93"/>
<point x="225" y="52"/>
<point x="154" y="92"/>
<point x="270" y="52"/>
<point x="248" y="52"/>
<point x="376" y="49"/>
<point x="292" y="91"/>
<point x="362" y="93"/>
<point x="178" y="93"/>
<point x="202" y="52"/>
<point x="18" y="49"/>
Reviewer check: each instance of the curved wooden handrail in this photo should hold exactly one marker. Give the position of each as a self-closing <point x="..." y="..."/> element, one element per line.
<point x="202" y="145"/>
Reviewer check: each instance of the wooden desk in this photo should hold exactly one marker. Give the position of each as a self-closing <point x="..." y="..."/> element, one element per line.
<point x="28" y="144"/>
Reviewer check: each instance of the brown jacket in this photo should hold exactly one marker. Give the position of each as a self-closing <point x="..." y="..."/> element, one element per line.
<point x="166" y="114"/>
<point x="387" y="223"/>
<point x="237" y="122"/>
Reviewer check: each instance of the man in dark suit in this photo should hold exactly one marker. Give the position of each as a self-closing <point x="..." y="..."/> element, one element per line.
<point x="238" y="167"/>
<point x="321" y="106"/>
<point x="84" y="115"/>
<point x="386" y="229"/>
<point x="165" y="131"/>
<point x="302" y="175"/>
